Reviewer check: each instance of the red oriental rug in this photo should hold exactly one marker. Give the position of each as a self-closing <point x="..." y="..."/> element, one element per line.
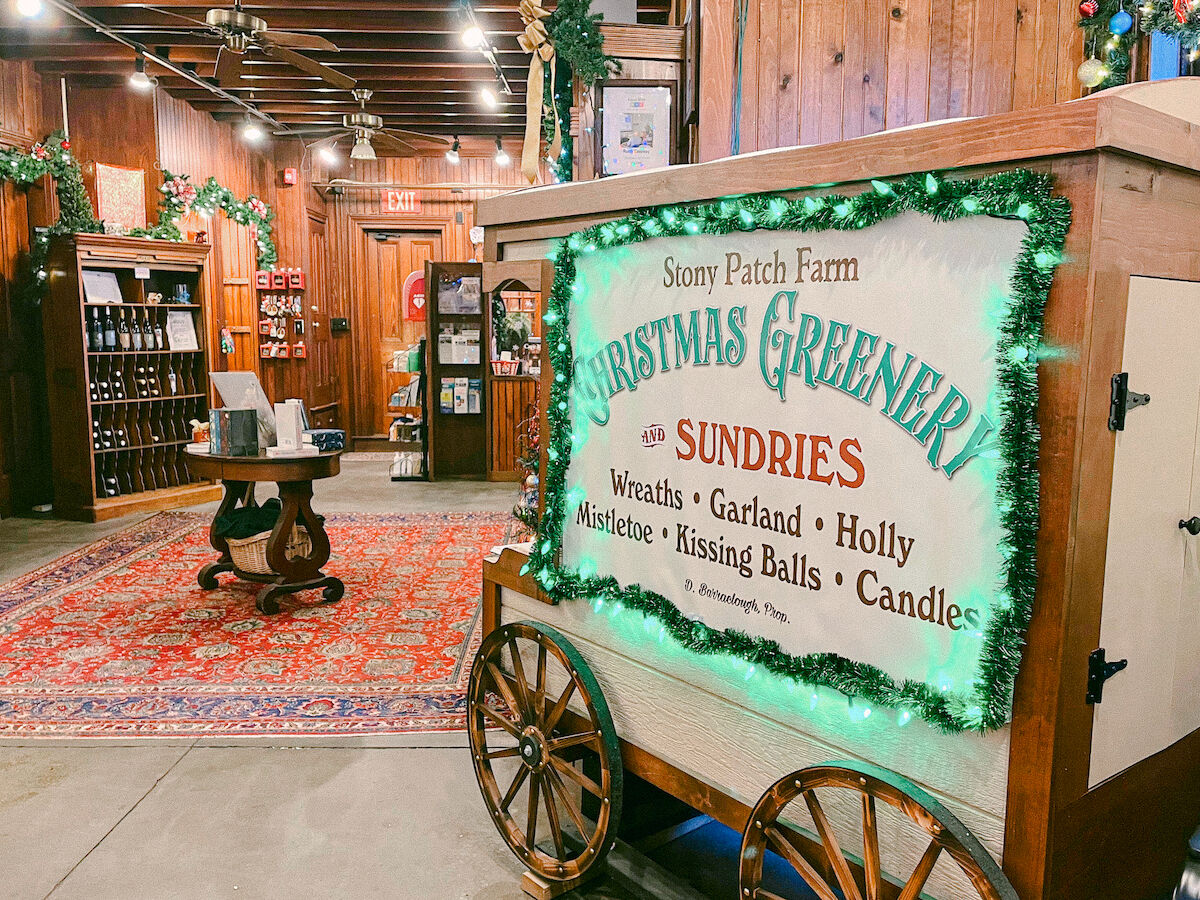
<point x="117" y="639"/>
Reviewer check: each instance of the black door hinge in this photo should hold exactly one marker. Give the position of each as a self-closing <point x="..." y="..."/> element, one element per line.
<point x="1099" y="672"/>
<point x="1121" y="400"/>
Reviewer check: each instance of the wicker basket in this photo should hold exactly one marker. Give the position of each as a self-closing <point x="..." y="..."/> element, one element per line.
<point x="250" y="554"/>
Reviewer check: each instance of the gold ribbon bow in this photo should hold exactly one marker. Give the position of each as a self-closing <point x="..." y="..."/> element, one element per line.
<point x="535" y="40"/>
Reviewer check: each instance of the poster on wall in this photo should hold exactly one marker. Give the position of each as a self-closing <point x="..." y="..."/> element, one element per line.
<point x="802" y="433"/>
<point x="635" y="128"/>
<point x="121" y="196"/>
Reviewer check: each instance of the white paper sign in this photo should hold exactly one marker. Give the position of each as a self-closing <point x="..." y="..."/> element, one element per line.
<point x="801" y="440"/>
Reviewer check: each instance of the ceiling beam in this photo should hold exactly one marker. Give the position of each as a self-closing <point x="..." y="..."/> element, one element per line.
<point x="258" y="8"/>
<point x="291" y="18"/>
<point x="18" y="39"/>
<point x="395" y="92"/>
<point x="297" y="111"/>
<point x="258" y="75"/>
<point x="207" y="56"/>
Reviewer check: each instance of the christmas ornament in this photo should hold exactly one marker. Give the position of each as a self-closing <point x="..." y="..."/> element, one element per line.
<point x="1091" y="73"/>
<point x="65" y="144"/>
<point x="1181" y="8"/>
<point x="1088" y="8"/>
<point x="1120" y="23"/>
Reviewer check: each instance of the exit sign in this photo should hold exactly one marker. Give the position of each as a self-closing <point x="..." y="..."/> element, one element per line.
<point x="401" y="202"/>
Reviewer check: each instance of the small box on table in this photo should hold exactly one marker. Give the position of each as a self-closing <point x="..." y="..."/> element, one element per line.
<point x="234" y="432"/>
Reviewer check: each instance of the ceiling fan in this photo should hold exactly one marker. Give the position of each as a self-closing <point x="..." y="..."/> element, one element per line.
<point x="365" y="128"/>
<point x="242" y="33"/>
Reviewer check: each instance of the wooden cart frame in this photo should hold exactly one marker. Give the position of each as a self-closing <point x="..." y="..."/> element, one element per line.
<point x="1129" y="162"/>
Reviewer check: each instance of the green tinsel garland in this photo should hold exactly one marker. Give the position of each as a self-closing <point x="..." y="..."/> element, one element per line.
<point x="1018" y="194"/>
<point x="579" y="45"/>
<point x="1151" y="16"/>
<point x="180" y="197"/>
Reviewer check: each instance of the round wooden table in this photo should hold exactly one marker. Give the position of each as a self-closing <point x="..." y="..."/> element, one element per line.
<point x="295" y="476"/>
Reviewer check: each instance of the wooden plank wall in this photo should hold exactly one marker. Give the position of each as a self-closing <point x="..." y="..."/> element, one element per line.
<point x="195" y="144"/>
<point x="510" y="402"/>
<point x="815" y="71"/>
<point x="351" y="286"/>
<point x="24" y="436"/>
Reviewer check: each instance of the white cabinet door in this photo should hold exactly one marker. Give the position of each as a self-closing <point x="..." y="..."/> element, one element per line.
<point x="1151" y="605"/>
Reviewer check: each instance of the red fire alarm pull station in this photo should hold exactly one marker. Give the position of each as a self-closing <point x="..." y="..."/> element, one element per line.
<point x="290" y="175"/>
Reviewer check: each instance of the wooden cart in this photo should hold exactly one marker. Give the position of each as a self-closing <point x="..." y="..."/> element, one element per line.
<point x="1092" y="787"/>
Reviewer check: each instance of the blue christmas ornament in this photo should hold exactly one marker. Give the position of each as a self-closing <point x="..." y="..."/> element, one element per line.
<point x="1120" y="23"/>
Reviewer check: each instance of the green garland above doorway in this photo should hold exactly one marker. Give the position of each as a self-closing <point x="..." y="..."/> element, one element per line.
<point x="180" y="197"/>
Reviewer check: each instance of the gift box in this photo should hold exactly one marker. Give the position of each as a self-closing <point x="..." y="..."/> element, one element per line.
<point x="262" y="280"/>
<point x="233" y="432"/>
<point x="326" y="439"/>
<point x="296" y="280"/>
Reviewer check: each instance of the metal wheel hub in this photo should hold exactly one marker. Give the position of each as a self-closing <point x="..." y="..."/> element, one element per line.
<point x="533" y="749"/>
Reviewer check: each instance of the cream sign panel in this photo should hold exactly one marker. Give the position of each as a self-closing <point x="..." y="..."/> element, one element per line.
<point x="793" y="434"/>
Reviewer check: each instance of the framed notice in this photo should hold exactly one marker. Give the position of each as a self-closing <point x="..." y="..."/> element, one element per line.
<point x="181" y="330"/>
<point x="636" y="126"/>
<point x="101" y="286"/>
<point x="802" y="433"/>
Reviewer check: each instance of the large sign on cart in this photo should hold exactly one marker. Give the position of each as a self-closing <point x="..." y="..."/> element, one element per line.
<point x="813" y="447"/>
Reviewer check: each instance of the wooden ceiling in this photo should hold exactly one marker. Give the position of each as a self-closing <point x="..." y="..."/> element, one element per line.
<point x="409" y="52"/>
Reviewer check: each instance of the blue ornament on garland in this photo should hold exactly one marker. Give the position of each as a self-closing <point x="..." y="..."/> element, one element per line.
<point x="1120" y="23"/>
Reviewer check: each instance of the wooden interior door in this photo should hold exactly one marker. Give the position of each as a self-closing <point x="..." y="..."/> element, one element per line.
<point x="237" y="306"/>
<point x="322" y="394"/>
<point x="1151" y="606"/>
<point x="391" y="256"/>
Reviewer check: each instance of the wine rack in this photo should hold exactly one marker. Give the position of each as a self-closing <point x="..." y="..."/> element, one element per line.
<point x="121" y="395"/>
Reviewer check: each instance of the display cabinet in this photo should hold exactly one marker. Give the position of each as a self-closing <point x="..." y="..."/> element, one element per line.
<point x="126" y="370"/>
<point x="455" y="361"/>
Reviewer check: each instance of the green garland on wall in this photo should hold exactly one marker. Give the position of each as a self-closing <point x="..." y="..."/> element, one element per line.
<point x="181" y="197"/>
<point x="1113" y="48"/>
<point x="51" y="156"/>
<point x="574" y="31"/>
<point x="1018" y="194"/>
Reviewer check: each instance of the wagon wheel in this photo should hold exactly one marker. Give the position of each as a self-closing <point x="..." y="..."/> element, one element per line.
<point x="820" y="861"/>
<point x="523" y="679"/>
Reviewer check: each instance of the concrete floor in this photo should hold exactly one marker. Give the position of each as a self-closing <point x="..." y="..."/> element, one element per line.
<point x="252" y="818"/>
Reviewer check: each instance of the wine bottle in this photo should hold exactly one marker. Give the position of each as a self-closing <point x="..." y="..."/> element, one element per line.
<point x="135" y="332"/>
<point x="123" y="336"/>
<point x="147" y="333"/>
<point x="111" y="488"/>
<point x="152" y="382"/>
<point x="124" y="475"/>
<point x="110" y="332"/>
<point x="95" y="332"/>
<point x="158" y="336"/>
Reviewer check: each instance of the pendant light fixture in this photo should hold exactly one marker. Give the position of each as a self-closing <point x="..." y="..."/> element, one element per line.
<point x="501" y="158"/>
<point x="252" y="131"/>
<point x="362" y="149"/>
<point x="452" y="156"/>
<point x="139" y="80"/>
